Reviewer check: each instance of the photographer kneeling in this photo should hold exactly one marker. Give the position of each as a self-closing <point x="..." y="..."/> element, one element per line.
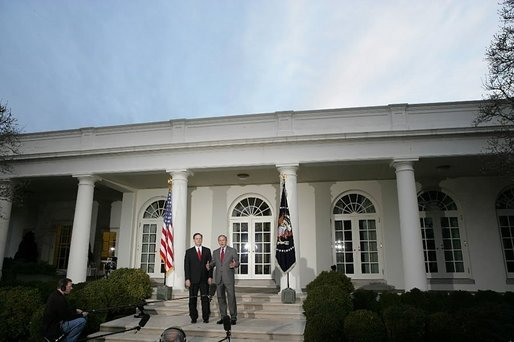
<point x="60" y="321"/>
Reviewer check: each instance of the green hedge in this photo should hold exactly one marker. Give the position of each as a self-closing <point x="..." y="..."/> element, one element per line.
<point x="326" y="306"/>
<point x="17" y="305"/>
<point x="404" y="323"/>
<point x="364" y="326"/>
<point x="108" y="298"/>
<point x="412" y="316"/>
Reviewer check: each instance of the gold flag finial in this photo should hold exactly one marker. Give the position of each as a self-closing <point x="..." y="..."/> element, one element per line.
<point x="170" y="182"/>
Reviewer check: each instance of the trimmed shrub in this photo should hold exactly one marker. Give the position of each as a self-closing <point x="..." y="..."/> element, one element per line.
<point x="98" y="298"/>
<point x="334" y="278"/>
<point x="404" y="323"/>
<point x="387" y="299"/>
<point x="325" y="309"/>
<point x="364" y="326"/>
<point x="437" y="301"/>
<point x="365" y="300"/>
<point x="17" y="305"/>
<point x="117" y="296"/>
<point x="487" y="322"/>
<point x="442" y="326"/>
<point x="488" y="296"/>
<point x="417" y="298"/>
<point x="508" y="298"/>
<point x="458" y="300"/>
<point x="11" y="266"/>
<point x="36" y="324"/>
<point x="134" y="281"/>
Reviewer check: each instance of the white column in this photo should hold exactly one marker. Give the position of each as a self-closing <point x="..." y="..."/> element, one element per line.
<point x="77" y="263"/>
<point x="412" y="243"/>
<point x="5" y="216"/>
<point x="179" y="210"/>
<point x="289" y="173"/>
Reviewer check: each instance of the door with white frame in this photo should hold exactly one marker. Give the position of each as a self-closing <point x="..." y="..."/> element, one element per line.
<point x="251" y="230"/>
<point x="505" y="215"/>
<point x="357" y="247"/>
<point x="445" y="245"/>
<point x="149" y="237"/>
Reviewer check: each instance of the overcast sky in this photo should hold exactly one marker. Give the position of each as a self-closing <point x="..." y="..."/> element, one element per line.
<point x="70" y="64"/>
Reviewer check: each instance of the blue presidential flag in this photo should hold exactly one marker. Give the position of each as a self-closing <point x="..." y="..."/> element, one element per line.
<point x="285" y="253"/>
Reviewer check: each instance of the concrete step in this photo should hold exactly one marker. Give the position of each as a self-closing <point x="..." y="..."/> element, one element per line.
<point x="261" y="317"/>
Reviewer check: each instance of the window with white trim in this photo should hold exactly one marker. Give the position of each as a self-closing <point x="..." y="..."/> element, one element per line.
<point x="505" y="215"/>
<point x="357" y="248"/>
<point x="444" y="244"/>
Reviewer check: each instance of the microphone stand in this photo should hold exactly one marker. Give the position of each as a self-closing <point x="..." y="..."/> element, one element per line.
<point x="227" y="326"/>
<point x="111" y="333"/>
<point x="227" y="337"/>
<point x="138" y="327"/>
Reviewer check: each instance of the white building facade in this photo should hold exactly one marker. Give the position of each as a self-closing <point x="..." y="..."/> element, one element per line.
<point x="394" y="195"/>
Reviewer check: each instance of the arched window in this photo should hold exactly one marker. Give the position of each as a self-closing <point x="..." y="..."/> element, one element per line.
<point x="251" y="224"/>
<point x="442" y="235"/>
<point x="505" y="214"/>
<point x="357" y="242"/>
<point x="251" y="206"/>
<point x="155" y="210"/>
<point x="150" y="236"/>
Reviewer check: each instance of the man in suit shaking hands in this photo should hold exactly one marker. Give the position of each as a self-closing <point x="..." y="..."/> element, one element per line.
<point x="225" y="260"/>
<point x="198" y="277"/>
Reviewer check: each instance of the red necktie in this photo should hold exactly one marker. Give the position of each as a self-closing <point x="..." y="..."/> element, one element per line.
<point x="222" y="254"/>
<point x="199" y="254"/>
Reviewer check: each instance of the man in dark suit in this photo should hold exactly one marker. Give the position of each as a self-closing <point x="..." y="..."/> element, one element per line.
<point x="225" y="260"/>
<point x="198" y="277"/>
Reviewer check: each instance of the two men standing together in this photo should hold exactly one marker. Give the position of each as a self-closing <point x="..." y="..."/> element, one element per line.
<point x="199" y="265"/>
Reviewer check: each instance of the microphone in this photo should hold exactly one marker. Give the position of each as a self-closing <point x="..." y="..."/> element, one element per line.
<point x="226" y="324"/>
<point x="144" y="320"/>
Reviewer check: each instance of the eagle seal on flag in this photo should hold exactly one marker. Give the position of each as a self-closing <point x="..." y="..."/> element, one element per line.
<point x="285" y="253"/>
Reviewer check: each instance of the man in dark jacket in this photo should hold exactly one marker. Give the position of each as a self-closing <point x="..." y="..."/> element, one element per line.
<point x="198" y="277"/>
<point x="60" y="321"/>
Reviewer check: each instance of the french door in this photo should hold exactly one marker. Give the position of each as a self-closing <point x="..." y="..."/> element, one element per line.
<point x="252" y="237"/>
<point x="357" y="246"/>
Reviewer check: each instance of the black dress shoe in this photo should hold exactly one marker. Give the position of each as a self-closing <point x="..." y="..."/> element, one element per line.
<point x="219" y="322"/>
<point x="206" y="321"/>
<point x="193" y="321"/>
<point x="233" y="322"/>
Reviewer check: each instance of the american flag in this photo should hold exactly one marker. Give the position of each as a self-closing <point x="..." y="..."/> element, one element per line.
<point x="167" y="236"/>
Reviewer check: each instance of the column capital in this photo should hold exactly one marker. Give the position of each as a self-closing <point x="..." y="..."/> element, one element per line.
<point x="87" y="179"/>
<point x="287" y="169"/>
<point x="179" y="174"/>
<point x="401" y="164"/>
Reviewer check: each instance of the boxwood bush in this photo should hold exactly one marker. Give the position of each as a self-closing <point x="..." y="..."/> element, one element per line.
<point x="17" y="305"/>
<point x="104" y="298"/>
<point x="404" y="323"/>
<point x="326" y="307"/>
<point x="334" y="278"/>
<point x="365" y="300"/>
<point x="364" y="326"/>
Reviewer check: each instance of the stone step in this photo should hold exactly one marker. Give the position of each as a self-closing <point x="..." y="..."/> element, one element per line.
<point x="261" y="317"/>
<point x="247" y="329"/>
